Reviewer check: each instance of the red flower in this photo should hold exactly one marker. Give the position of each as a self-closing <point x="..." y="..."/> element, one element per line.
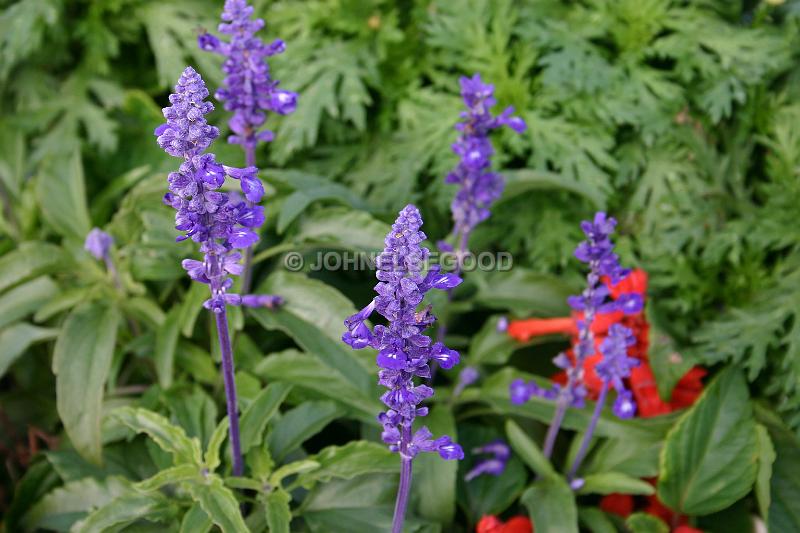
<point x="649" y="403"/>
<point x="618" y="504"/>
<point x="492" y="524"/>
<point x="686" y="529"/>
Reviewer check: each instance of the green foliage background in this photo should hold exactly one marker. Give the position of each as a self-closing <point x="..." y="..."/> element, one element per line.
<point x="679" y="117"/>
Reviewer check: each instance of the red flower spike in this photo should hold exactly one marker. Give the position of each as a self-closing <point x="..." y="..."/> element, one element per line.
<point x="618" y="504"/>
<point x="492" y="524"/>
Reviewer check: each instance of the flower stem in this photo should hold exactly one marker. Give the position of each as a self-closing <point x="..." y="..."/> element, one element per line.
<point x="247" y="275"/>
<point x="404" y="488"/>
<point x="230" y="390"/>
<point x="555" y="424"/>
<point x="587" y="437"/>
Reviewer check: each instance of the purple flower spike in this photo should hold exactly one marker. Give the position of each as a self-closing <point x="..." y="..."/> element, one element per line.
<point x="479" y="187"/>
<point x="248" y="90"/>
<point x="494" y="465"/>
<point x="404" y="351"/>
<point x="219" y="222"/>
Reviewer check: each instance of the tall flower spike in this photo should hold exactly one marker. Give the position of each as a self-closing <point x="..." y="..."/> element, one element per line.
<point x="598" y="252"/>
<point x="219" y="222"/>
<point x="404" y="351"/>
<point x="248" y="91"/>
<point x="479" y="187"/>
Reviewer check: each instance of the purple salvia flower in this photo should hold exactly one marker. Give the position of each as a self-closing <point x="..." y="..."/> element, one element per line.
<point x="598" y="252"/>
<point x="404" y="351"/>
<point x="466" y="377"/>
<point x="494" y="465"/>
<point x="249" y="90"/>
<point x="220" y="222"/>
<point x="479" y="187"/>
<point x="98" y="243"/>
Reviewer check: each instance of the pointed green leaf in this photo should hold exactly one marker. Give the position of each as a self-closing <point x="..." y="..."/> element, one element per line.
<point x="710" y="457"/>
<point x="259" y="412"/>
<point x="62" y="195"/>
<point x="354" y="459"/>
<point x="29" y="260"/>
<point x="435" y="478"/>
<point x="551" y="504"/>
<point x="611" y="482"/>
<point x="196" y="520"/>
<point x="279" y="515"/>
<point x="299" y="424"/>
<point x="167" y="436"/>
<point x="528" y="450"/>
<point x="220" y="504"/>
<point x="124" y="510"/>
<point x="16" y="338"/>
<point x="170" y="476"/>
<point x="81" y="363"/>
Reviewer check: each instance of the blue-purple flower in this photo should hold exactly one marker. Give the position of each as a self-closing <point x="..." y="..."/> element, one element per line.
<point x="598" y="252"/>
<point x="249" y="90"/>
<point x="404" y="351"/>
<point x="98" y="243"/>
<point x="479" y="187"/>
<point x="220" y="222"/>
<point x="494" y="465"/>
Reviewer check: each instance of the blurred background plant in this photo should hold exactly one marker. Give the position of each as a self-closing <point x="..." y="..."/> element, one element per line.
<point x="679" y="117"/>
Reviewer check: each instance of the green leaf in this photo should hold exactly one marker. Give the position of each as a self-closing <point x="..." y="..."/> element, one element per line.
<point x="62" y="196"/>
<point x="259" y="412"/>
<point x="124" y="510"/>
<point x="212" y="457"/>
<point x="524" y="292"/>
<point x="489" y="346"/>
<point x="551" y="504"/>
<point x="785" y="483"/>
<point x="24" y="299"/>
<point x="710" y="457"/>
<point x="168" y="437"/>
<point x="313" y="316"/>
<point x="595" y="520"/>
<point x="611" y="482"/>
<point x="308" y="190"/>
<point x="174" y="475"/>
<point x="351" y="460"/>
<point x="435" y="478"/>
<point x="521" y="181"/>
<point x="196" y="520"/>
<point x="339" y="227"/>
<point x="81" y="363"/>
<point x="16" y="338"/>
<point x="360" y="505"/>
<point x="192" y="305"/>
<point x="766" y="458"/>
<point x="296" y="467"/>
<point x="635" y="457"/>
<point x="528" y="450"/>
<point x="279" y="516"/>
<point x="29" y="260"/>
<point x="166" y="342"/>
<point x="308" y="373"/>
<point x="219" y="504"/>
<point x="299" y="424"/>
<point x="62" y="507"/>
<point x="646" y="523"/>
<point x="61" y="302"/>
<point x="668" y="365"/>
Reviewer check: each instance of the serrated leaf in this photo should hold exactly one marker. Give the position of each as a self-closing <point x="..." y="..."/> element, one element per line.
<point x="219" y="504"/>
<point x="62" y="507"/>
<point x="124" y="510"/>
<point x="551" y="504"/>
<point x="212" y="456"/>
<point x="168" y="437"/>
<point x="81" y="363"/>
<point x="176" y="474"/>
<point x="279" y="516"/>
<point x="709" y="459"/>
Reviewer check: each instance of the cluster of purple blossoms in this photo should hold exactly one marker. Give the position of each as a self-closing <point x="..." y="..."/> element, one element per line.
<point x="494" y="465"/>
<point x="479" y="187"/>
<point x="404" y="351"/>
<point x="219" y="221"/>
<point x="248" y="89"/>
<point x="598" y="252"/>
